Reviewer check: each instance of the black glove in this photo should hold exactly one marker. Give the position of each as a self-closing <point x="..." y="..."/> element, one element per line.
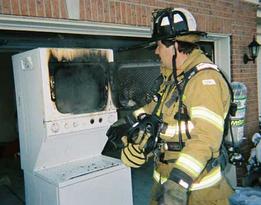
<point x="152" y="124"/>
<point x="172" y="193"/>
<point x="117" y="130"/>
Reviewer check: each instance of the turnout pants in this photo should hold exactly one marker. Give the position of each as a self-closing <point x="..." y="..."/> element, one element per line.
<point x="217" y="194"/>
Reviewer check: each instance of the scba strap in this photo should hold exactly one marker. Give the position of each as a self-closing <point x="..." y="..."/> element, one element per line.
<point x="182" y="114"/>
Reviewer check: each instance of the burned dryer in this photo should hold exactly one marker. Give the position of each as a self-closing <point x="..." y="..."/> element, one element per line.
<point x="64" y="109"/>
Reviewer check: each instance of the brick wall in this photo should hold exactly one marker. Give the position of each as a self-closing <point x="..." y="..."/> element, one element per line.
<point x="36" y="8"/>
<point x="220" y="16"/>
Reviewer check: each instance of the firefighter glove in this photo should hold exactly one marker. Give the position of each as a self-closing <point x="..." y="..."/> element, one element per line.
<point x="133" y="156"/>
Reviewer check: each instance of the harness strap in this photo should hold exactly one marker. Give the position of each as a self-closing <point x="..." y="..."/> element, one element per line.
<point x="213" y="167"/>
<point x="160" y="98"/>
<point x="182" y="114"/>
<point x="182" y="107"/>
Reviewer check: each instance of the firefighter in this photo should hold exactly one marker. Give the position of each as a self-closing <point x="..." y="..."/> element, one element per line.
<point x="192" y="104"/>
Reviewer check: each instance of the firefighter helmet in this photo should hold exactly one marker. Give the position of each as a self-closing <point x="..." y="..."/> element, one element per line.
<point x="174" y="24"/>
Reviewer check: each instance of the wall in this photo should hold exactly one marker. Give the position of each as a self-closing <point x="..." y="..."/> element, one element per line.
<point x="37" y="8"/>
<point x="220" y="16"/>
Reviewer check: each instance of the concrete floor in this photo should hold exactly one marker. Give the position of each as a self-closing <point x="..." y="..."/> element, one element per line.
<point x="142" y="182"/>
<point x="12" y="183"/>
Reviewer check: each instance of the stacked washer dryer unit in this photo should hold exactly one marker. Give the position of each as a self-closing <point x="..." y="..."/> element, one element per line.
<point x="61" y="152"/>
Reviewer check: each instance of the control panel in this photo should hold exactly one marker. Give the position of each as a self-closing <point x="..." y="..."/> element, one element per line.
<point x="79" y="123"/>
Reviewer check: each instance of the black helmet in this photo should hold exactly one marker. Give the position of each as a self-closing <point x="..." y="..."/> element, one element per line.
<point x="174" y="23"/>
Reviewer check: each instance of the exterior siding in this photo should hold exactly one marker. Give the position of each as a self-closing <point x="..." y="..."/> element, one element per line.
<point x="220" y="16"/>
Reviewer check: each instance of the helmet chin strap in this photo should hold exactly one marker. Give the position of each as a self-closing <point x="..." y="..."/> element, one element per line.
<point x="174" y="68"/>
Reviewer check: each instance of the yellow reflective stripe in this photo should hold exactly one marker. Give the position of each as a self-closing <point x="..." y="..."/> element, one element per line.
<point x="158" y="178"/>
<point x="172" y="130"/>
<point x="136" y="113"/>
<point x="208" y="115"/>
<point x="209" y="180"/>
<point x="189" y="164"/>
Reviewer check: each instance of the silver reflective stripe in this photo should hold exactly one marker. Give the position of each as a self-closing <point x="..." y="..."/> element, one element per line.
<point x="158" y="178"/>
<point x="183" y="126"/>
<point x="189" y="164"/>
<point x="202" y="66"/>
<point x="208" y="115"/>
<point x="172" y="130"/>
<point x="209" y="180"/>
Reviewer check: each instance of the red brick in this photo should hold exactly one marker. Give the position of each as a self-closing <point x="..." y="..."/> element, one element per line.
<point x="123" y="13"/>
<point x="106" y="11"/>
<point x="227" y="25"/>
<point x="24" y="7"/>
<point x="118" y="13"/>
<point x="16" y="7"/>
<point x="201" y="22"/>
<point x="48" y="10"/>
<point x="93" y="10"/>
<point x="128" y="13"/>
<point x="82" y="9"/>
<point x="32" y="7"/>
<point x="88" y="10"/>
<point x="133" y="1"/>
<point x="6" y="7"/>
<point x="112" y="11"/>
<point x="138" y="15"/>
<point x="40" y="11"/>
<point x="153" y="3"/>
<point x="149" y="14"/>
<point x="55" y="5"/>
<point x="143" y="16"/>
<point x="133" y="15"/>
<point x="64" y="11"/>
<point x="100" y="10"/>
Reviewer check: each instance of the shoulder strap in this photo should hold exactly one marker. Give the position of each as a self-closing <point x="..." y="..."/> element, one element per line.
<point x="159" y="98"/>
<point x="182" y="107"/>
<point x="203" y="66"/>
<point x="233" y="105"/>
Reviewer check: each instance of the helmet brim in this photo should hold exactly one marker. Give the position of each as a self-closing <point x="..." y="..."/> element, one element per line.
<point x="174" y="37"/>
<point x="152" y="41"/>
